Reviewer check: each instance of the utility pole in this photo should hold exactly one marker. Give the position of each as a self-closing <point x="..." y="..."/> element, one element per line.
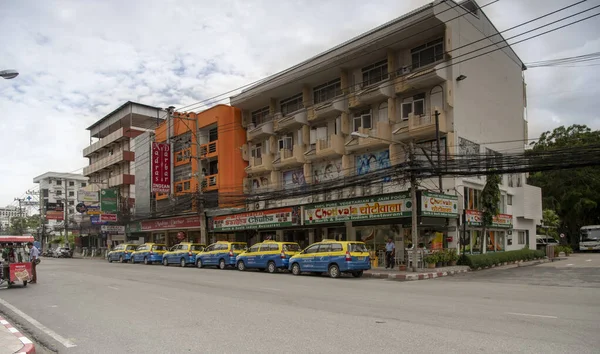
<point x="413" y="195"/>
<point x="20" y="215"/>
<point x="439" y="153"/>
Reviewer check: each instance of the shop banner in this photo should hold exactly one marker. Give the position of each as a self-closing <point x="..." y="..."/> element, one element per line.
<point x="55" y="215"/>
<point x="161" y="168"/>
<point x="501" y="221"/>
<point x="172" y="223"/>
<point x="20" y="271"/>
<point x="95" y="220"/>
<point x="264" y="219"/>
<point x="113" y="228"/>
<point x="440" y="205"/>
<point x="108" y="217"/>
<point x="87" y="196"/>
<point x="380" y="207"/>
<point x="108" y="200"/>
<point x="93" y="209"/>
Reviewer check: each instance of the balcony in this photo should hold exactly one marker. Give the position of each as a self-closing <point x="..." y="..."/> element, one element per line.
<point x="109" y="161"/>
<point x="290" y="157"/>
<point x="332" y="147"/>
<point x="378" y="138"/>
<point x="329" y="109"/>
<point x="211" y="183"/>
<point x="183" y="187"/>
<point x="209" y="150"/>
<point x="372" y="94"/>
<point x="262" y="130"/>
<point x="420" y="127"/>
<point x="183" y="157"/>
<point x="260" y="164"/>
<point x="422" y="78"/>
<point x="114" y="137"/>
<point x="291" y="121"/>
<point x="122" y="179"/>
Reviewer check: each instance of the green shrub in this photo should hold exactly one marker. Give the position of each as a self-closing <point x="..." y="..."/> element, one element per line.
<point x="489" y="259"/>
<point x="566" y="249"/>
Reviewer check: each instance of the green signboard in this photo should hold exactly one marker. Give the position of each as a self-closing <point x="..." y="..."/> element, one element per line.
<point x="440" y="205"/>
<point x="108" y="200"/>
<point x="367" y="208"/>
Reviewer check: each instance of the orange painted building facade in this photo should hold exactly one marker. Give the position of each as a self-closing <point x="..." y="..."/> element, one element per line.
<point x="207" y="154"/>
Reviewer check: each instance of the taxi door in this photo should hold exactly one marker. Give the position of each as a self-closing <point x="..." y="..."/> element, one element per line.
<point x="251" y="256"/>
<point x="266" y="253"/>
<point x="323" y="257"/>
<point x="307" y="258"/>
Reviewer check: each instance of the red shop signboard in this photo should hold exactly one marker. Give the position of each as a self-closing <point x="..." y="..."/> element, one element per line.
<point x="172" y="223"/>
<point x="161" y="167"/>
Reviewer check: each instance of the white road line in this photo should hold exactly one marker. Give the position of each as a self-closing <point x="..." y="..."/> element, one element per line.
<point x="588" y="260"/>
<point x="114" y="288"/>
<point x="570" y="264"/>
<point x="271" y="289"/>
<point x="164" y="298"/>
<point x="529" y="315"/>
<point x="67" y="343"/>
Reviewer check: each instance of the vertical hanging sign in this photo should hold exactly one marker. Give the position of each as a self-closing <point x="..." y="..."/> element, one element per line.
<point x="161" y="168"/>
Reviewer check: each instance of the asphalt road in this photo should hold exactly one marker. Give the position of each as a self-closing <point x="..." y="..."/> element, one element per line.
<point x="120" y="308"/>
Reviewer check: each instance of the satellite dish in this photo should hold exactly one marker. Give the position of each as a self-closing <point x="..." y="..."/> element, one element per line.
<point x="8" y="74"/>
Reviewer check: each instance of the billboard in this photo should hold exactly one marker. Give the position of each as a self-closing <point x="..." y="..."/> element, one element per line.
<point x="108" y="200"/>
<point x="87" y="196"/>
<point x="161" y="168"/>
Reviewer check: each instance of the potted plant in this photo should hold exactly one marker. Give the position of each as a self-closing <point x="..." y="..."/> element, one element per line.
<point x="431" y="260"/>
<point x="453" y="256"/>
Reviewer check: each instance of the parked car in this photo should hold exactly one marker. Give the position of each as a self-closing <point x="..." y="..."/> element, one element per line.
<point x="122" y="252"/>
<point x="148" y="253"/>
<point x="267" y="255"/>
<point x="62" y="252"/>
<point x="183" y="253"/>
<point x="333" y="257"/>
<point x="543" y="241"/>
<point x="221" y="254"/>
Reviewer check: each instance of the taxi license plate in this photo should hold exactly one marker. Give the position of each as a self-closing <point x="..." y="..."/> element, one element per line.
<point x="361" y="258"/>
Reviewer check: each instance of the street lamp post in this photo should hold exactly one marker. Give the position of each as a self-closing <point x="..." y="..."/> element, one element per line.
<point x="8" y="74"/>
<point x="413" y="192"/>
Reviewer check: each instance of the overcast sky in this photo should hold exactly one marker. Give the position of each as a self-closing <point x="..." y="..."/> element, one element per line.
<point x="79" y="60"/>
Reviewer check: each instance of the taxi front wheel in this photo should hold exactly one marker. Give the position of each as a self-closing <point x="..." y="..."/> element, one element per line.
<point x="241" y="266"/>
<point x="165" y="262"/>
<point x="296" y="269"/>
<point x="222" y="264"/>
<point x="199" y="263"/>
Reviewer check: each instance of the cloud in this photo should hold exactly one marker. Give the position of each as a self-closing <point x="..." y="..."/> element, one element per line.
<point x="80" y="60"/>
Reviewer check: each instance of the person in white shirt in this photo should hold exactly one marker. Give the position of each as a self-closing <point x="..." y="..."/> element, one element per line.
<point x="34" y="254"/>
<point x="390" y="252"/>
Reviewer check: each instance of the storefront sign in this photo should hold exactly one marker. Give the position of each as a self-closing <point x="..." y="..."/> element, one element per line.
<point x="381" y="207"/>
<point x="87" y="196"/>
<point x="264" y="219"/>
<point x="93" y="209"/>
<point x="135" y="226"/>
<point x="113" y="228"/>
<point x="108" y="200"/>
<point x="186" y="222"/>
<point x="55" y="215"/>
<point x="501" y="221"/>
<point x="161" y="167"/>
<point x="95" y="220"/>
<point x="108" y="217"/>
<point x="440" y="205"/>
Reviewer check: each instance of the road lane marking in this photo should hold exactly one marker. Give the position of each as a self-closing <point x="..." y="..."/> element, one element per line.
<point x="114" y="288"/>
<point x="588" y="260"/>
<point x="62" y="340"/>
<point x="570" y="264"/>
<point x="271" y="289"/>
<point x="164" y="298"/>
<point x="529" y="315"/>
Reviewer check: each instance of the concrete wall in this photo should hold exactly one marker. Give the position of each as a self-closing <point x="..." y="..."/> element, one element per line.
<point x="141" y="169"/>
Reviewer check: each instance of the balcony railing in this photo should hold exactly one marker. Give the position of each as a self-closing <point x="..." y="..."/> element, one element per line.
<point x="109" y="161"/>
<point x="334" y="146"/>
<point x="291" y="121"/>
<point x="421" y="126"/>
<point x="379" y="137"/>
<point x="260" y="164"/>
<point x="209" y="150"/>
<point x="290" y="157"/>
<point x="118" y="135"/>
<point x="260" y="131"/>
<point x="373" y="93"/>
<point x="330" y="109"/>
<point x="211" y="182"/>
<point x="122" y="179"/>
<point x="183" y="157"/>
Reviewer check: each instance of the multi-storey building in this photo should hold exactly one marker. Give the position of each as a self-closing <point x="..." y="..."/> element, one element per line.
<point x="58" y="195"/>
<point x="6" y="214"/>
<point x="345" y="114"/>
<point x="111" y="154"/>
<point x="207" y="176"/>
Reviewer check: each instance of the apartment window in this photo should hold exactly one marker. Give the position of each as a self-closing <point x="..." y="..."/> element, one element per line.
<point x="374" y="73"/>
<point x="291" y="104"/>
<point x="522" y="237"/>
<point x="59" y="183"/>
<point x="256" y="151"/>
<point x="59" y="192"/>
<point x="213" y="134"/>
<point x="414" y="105"/>
<point x="327" y="91"/>
<point x="510" y="180"/>
<point x="427" y="53"/>
<point x="71" y="184"/>
<point x="83" y="184"/>
<point x="362" y="120"/>
<point x="509" y="199"/>
<point x="471" y="197"/>
<point x="71" y="202"/>
<point x="286" y="142"/>
<point x="260" y="116"/>
<point x="71" y="194"/>
<point x="213" y="168"/>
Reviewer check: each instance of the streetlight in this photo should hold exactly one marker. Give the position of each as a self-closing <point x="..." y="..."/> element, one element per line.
<point x="413" y="192"/>
<point x="8" y="74"/>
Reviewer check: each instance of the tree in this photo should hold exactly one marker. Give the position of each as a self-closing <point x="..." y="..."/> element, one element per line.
<point x="22" y="224"/>
<point x="550" y="223"/>
<point x="574" y="194"/>
<point x="490" y="205"/>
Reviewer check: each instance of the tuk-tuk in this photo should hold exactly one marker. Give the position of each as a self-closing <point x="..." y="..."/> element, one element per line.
<point x="16" y="266"/>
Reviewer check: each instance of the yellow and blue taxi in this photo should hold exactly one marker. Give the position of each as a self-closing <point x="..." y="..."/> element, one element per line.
<point x="122" y="252"/>
<point x="183" y="253"/>
<point x="149" y="253"/>
<point x="221" y="254"/>
<point x="333" y="257"/>
<point x="269" y="255"/>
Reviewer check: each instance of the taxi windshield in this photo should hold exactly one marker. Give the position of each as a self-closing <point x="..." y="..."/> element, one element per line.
<point x="291" y="247"/>
<point x="238" y="246"/>
<point x="357" y="247"/>
<point x="159" y="248"/>
<point x="129" y="248"/>
<point x="197" y="247"/>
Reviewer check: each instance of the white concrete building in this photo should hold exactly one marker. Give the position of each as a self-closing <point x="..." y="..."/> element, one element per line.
<point x="388" y="83"/>
<point x="6" y="214"/>
<point x="59" y="188"/>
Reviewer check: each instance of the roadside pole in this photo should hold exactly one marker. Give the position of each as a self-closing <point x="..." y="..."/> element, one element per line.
<point x="413" y="194"/>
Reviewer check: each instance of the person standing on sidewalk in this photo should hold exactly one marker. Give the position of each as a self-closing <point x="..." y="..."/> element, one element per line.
<point x="34" y="254"/>
<point x="390" y="251"/>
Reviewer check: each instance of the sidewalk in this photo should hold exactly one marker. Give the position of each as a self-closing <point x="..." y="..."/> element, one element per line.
<point x="421" y="274"/>
<point x="12" y="341"/>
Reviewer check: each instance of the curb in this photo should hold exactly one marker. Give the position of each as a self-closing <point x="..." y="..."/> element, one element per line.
<point x="410" y="277"/>
<point x="518" y="263"/>
<point x="28" y="346"/>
